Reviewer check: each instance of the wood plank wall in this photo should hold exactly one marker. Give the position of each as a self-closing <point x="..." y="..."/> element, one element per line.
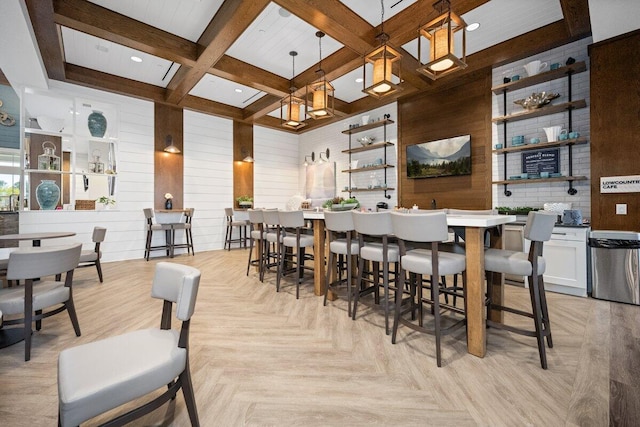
<point x="615" y="128"/>
<point x="169" y="168"/>
<point x="242" y="171"/>
<point x="461" y="110"/>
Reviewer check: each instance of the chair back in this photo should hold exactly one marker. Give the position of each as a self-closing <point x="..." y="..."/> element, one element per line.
<point x="539" y="226"/>
<point x="30" y="263"/>
<point x="229" y="213"/>
<point x="372" y="223"/>
<point x="427" y="227"/>
<point x="255" y="216"/>
<point x="98" y="234"/>
<point x="291" y="219"/>
<point x="271" y="217"/>
<point x="188" y="215"/>
<point x="148" y="214"/>
<point x="338" y="221"/>
<point x="178" y="284"/>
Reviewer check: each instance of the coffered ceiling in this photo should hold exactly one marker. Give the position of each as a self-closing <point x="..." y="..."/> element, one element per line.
<point x="231" y="57"/>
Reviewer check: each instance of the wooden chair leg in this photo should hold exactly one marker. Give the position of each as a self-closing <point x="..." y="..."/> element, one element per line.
<point x="545" y="312"/>
<point x="398" y="307"/>
<point x="534" y="291"/>
<point x="71" y="309"/>
<point x="99" y="268"/>
<point x="359" y="285"/>
<point x="189" y="398"/>
<point x="435" y="289"/>
<point x="38" y="321"/>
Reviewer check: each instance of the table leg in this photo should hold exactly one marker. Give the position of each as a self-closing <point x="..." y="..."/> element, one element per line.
<point x="497" y="289"/>
<point x="319" y="271"/>
<point x="476" y="324"/>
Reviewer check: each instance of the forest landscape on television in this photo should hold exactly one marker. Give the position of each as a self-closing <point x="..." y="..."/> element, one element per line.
<point x="445" y="157"/>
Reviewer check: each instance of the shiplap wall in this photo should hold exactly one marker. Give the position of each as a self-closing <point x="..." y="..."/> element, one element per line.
<point x="535" y="195"/>
<point x="331" y="137"/>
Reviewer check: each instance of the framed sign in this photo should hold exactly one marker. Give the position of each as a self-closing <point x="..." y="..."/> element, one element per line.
<point x="541" y="161"/>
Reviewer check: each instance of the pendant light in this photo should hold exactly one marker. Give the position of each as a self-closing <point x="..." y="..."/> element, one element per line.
<point x="440" y="33"/>
<point x="385" y="61"/>
<point x="320" y="92"/>
<point x="291" y="107"/>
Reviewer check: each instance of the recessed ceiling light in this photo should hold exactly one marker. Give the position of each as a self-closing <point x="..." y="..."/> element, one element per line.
<point x="136" y="59"/>
<point x="473" y="26"/>
<point x="102" y="48"/>
<point x="284" y="12"/>
<point x="238" y="90"/>
<point x="359" y="80"/>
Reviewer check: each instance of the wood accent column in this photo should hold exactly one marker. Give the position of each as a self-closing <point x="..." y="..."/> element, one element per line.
<point x="169" y="168"/>
<point x="242" y="171"/>
<point x="615" y="128"/>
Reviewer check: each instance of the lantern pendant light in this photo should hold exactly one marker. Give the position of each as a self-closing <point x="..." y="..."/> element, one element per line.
<point x="440" y="33"/>
<point x="292" y="107"/>
<point x="320" y="92"/>
<point x="385" y="61"/>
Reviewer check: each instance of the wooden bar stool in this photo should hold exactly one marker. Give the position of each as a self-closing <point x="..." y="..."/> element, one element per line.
<point x="293" y="247"/>
<point x="241" y="226"/>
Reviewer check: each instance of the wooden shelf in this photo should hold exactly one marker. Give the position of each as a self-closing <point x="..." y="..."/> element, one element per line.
<point x="370" y="168"/>
<point x="551" y="109"/>
<point x="361" y="190"/>
<point x="540" y="180"/>
<point x="542" y="145"/>
<point x="578" y="67"/>
<point x="367" y="127"/>
<point x="369" y="147"/>
<point x="47" y="133"/>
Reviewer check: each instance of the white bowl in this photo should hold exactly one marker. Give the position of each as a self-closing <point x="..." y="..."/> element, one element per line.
<point x="50" y="124"/>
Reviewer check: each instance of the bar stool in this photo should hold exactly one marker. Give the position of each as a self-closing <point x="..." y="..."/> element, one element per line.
<point x="273" y="235"/>
<point x="295" y="240"/>
<point x="538" y="229"/>
<point x="340" y="224"/>
<point x="256" y="234"/>
<point x="231" y="224"/>
<point x="376" y="228"/>
<point x="430" y="228"/>
<point x="151" y="227"/>
<point x="186" y="226"/>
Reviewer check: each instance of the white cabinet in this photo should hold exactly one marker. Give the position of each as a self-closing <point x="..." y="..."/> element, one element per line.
<point x="566" y="258"/>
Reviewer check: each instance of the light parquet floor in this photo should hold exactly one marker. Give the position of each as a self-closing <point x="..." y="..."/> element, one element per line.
<point x="261" y="358"/>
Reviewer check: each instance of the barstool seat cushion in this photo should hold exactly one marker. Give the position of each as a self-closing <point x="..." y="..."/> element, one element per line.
<point x="272" y="236"/>
<point x="45" y="294"/>
<point x="306" y="240"/>
<point x="98" y="376"/>
<point x="373" y="252"/>
<point x="511" y="262"/>
<point x="90" y="256"/>
<point x="419" y="261"/>
<point x="340" y="247"/>
<point x="155" y="227"/>
<point x="256" y="234"/>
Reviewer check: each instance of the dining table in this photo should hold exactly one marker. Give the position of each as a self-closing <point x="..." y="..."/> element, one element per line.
<point x="37" y="237"/>
<point x="475" y="226"/>
<point x="170" y="216"/>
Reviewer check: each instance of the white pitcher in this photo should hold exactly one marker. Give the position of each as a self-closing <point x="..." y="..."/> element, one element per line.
<point x="534" y="67"/>
<point x="552" y="133"/>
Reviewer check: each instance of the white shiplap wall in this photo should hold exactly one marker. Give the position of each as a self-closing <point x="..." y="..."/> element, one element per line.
<point x="331" y="137"/>
<point x="536" y="195"/>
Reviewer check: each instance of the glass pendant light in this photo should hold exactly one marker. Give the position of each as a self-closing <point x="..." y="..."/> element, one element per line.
<point x="320" y="92"/>
<point x="291" y="107"/>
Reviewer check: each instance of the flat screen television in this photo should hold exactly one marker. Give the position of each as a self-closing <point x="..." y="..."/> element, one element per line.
<point x="445" y="157"/>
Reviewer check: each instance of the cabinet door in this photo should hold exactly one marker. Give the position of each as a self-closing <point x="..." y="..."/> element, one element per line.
<point x="566" y="263"/>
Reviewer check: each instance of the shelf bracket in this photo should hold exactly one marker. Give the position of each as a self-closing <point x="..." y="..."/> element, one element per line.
<point x="572" y="191"/>
<point x="507" y="192"/>
<point x="386" y="196"/>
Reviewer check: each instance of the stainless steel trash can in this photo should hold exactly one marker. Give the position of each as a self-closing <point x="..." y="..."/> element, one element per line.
<point x="615" y="257"/>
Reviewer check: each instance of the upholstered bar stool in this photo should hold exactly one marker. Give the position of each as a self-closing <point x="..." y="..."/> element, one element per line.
<point x="241" y="226"/>
<point x="430" y="229"/>
<point x="293" y="247"/>
<point x="340" y="224"/>
<point x="256" y="236"/>
<point x="538" y="229"/>
<point x="374" y="229"/>
<point x="151" y="227"/>
<point x="273" y="235"/>
<point x="187" y="227"/>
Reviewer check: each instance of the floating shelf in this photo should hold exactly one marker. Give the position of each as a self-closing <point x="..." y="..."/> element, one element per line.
<point x="361" y="190"/>
<point x="368" y="147"/>
<point x="539" y="180"/>
<point x="371" y="168"/>
<point x="547" y="76"/>
<point x="551" y="109"/>
<point x="368" y="126"/>
<point x="542" y="145"/>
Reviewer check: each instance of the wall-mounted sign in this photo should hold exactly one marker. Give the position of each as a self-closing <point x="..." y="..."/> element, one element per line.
<point x="620" y="184"/>
<point x="541" y="161"/>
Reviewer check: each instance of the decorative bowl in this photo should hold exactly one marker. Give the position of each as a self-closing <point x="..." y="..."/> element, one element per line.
<point x="50" y="124"/>
<point x="366" y="140"/>
<point x="536" y="100"/>
<point x="344" y="207"/>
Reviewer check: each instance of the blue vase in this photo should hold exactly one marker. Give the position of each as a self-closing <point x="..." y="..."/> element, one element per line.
<point x="168" y="204"/>
<point x="97" y="124"/>
<point x="47" y="194"/>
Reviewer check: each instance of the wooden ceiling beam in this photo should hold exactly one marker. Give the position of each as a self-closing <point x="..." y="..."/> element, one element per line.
<point x="207" y="106"/>
<point x="41" y="13"/>
<point x="576" y="17"/>
<point x="246" y="74"/>
<point x="233" y="17"/>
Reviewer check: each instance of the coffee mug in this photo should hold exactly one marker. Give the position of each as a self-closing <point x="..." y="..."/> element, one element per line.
<point x="534" y="140"/>
<point x="574" y="135"/>
<point x="563" y="135"/>
<point x="498" y="146"/>
<point x="544" y="174"/>
<point x="515" y="78"/>
<point x="555" y="66"/>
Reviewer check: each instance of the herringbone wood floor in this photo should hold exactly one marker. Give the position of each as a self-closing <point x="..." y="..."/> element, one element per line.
<point x="263" y="358"/>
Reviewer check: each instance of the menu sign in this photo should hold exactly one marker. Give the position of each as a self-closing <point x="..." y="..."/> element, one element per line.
<point x="620" y="184"/>
<point x="541" y="161"/>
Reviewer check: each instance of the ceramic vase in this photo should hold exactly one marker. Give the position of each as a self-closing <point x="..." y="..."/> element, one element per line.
<point x="168" y="204"/>
<point x="97" y="124"/>
<point x="47" y="194"/>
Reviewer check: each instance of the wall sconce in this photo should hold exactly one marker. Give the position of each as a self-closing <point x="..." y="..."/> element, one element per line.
<point x="169" y="147"/>
<point x="326" y="156"/>
<point x="312" y="157"/>
<point x="246" y="156"/>
<point x="440" y="34"/>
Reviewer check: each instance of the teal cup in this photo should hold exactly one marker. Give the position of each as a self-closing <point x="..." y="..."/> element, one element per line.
<point x="515" y="78"/>
<point x="555" y="66"/>
<point x="574" y="135"/>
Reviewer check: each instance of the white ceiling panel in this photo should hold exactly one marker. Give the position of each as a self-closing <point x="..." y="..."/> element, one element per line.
<point x="371" y="11"/>
<point x="271" y="36"/>
<point x="347" y="88"/>
<point x="218" y="89"/>
<point x="111" y="58"/>
<point x="184" y="18"/>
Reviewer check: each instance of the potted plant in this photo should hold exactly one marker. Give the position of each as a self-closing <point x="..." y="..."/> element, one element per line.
<point x="245" y="201"/>
<point x="340" y="204"/>
<point x="106" y="202"/>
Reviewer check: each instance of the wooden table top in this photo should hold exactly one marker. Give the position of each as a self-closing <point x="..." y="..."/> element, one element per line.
<point x="38" y="236"/>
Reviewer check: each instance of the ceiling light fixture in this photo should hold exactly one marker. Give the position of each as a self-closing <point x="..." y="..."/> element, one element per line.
<point x="169" y="146"/>
<point x="238" y="90"/>
<point x="385" y="61"/>
<point x="136" y="59"/>
<point x="440" y="33"/>
<point x="292" y="107"/>
<point x="320" y="91"/>
<point x="473" y="26"/>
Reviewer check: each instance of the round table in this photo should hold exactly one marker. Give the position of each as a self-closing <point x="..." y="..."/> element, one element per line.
<point x="37" y="237"/>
